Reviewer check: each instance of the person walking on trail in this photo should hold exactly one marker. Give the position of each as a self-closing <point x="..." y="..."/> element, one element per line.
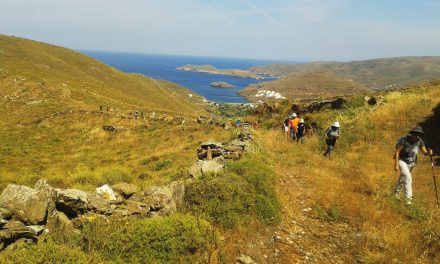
<point x="286" y="126"/>
<point x="300" y="131"/>
<point x="405" y="158"/>
<point x="331" y="135"/>
<point x="238" y="123"/>
<point x="293" y="126"/>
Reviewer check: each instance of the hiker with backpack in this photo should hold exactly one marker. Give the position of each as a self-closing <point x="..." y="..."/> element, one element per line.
<point x="331" y="135"/>
<point x="293" y="126"/>
<point x="405" y="158"/>
<point x="300" y="131"/>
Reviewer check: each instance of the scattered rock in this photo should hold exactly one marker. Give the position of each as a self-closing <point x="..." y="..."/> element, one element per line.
<point x="125" y="189"/>
<point x="244" y="259"/>
<point x="38" y="229"/>
<point x="112" y="129"/>
<point x="15" y="230"/>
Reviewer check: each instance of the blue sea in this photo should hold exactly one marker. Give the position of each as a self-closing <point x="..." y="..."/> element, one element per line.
<point x="163" y="67"/>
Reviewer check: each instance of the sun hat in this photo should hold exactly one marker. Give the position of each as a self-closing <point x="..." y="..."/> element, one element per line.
<point x="294" y="115"/>
<point x="301" y="120"/>
<point x="290" y="116"/>
<point x="336" y="124"/>
<point x="417" y="130"/>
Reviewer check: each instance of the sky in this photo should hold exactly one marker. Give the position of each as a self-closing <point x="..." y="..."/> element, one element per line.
<point x="297" y="30"/>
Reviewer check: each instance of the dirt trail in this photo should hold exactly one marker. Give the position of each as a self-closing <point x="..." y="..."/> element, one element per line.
<point x="301" y="237"/>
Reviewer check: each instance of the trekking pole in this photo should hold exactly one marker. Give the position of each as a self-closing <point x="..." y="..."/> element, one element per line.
<point x="435" y="183"/>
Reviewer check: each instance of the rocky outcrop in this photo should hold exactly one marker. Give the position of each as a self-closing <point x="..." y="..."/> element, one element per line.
<point x="310" y="107"/>
<point x="221" y="85"/>
<point x="26" y="213"/>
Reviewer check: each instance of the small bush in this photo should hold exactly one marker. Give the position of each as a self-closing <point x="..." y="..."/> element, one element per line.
<point x="175" y="239"/>
<point x="162" y="164"/>
<point x="247" y="190"/>
<point x="221" y="199"/>
<point x="331" y="214"/>
<point x="48" y="252"/>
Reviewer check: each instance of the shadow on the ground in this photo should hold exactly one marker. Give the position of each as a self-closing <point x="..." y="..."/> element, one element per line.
<point x="431" y="127"/>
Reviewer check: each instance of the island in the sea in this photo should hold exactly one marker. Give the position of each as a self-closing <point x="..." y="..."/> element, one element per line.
<point x="213" y="70"/>
<point x="222" y="85"/>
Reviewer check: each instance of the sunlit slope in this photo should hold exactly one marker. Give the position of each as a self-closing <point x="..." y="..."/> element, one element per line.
<point x="307" y="85"/>
<point x="37" y="79"/>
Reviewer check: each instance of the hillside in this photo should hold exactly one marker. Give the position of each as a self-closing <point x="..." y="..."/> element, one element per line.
<point x="272" y="201"/>
<point x="374" y="74"/>
<point x="38" y="79"/>
<point x="305" y="86"/>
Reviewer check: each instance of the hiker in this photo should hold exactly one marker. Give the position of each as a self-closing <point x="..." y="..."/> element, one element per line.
<point x="405" y="158"/>
<point x="293" y="124"/>
<point x="331" y="135"/>
<point x="100" y="108"/>
<point x="286" y="126"/>
<point x="136" y="115"/>
<point x="300" y="131"/>
<point x="238" y="123"/>
<point x="142" y="114"/>
<point x="255" y="125"/>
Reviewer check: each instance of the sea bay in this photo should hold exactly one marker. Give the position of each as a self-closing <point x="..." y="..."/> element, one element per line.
<point x="163" y="67"/>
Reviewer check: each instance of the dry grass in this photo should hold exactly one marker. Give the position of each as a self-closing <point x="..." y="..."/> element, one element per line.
<point x="359" y="178"/>
<point x="74" y="151"/>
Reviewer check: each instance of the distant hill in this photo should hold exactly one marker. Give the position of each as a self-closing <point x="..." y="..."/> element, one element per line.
<point x="377" y="74"/>
<point x="38" y="79"/>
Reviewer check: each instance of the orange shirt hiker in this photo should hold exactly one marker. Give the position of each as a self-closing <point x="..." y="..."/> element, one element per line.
<point x="293" y="123"/>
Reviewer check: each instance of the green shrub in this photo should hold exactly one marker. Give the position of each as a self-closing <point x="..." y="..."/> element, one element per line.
<point x="254" y="170"/>
<point x="175" y="239"/>
<point x="48" y="252"/>
<point x="221" y="199"/>
<point x="162" y="164"/>
<point x="246" y="190"/>
<point x="355" y="101"/>
<point x="331" y="214"/>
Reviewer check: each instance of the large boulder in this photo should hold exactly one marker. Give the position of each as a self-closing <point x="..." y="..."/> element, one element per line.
<point x="205" y="166"/>
<point x="25" y="203"/>
<point x="71" y="202"/>
<point x="60" y="227"/>
<point x="212" y="166"/>
<point x="166" y="200"/>
<point x="195" y="170"/>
